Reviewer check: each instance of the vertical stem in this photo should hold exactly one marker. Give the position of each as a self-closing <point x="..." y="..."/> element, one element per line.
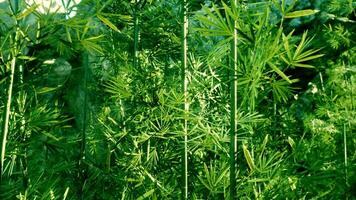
<point x="85" y="105"/>
<point x="7" y="115"/>
<point x="148" y="150"/>
<point x="136" y="37"/>
<point x="22" y="107"/>
<point x="345" y="153"/>
<point x="233" y="112"/>
<point x="9" y="95"/>
<point x="274" y="115"/>
<point x="351" y="95"/>
<point x="345" y="129"/>
<point x="185" y="91"/>
<point x="321" y="81"/>
<point x="84" y="125"/>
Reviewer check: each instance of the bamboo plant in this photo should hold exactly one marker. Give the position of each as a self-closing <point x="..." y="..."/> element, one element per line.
<point x="123" y="144"/>
<point x="12" y="65"/>
<point x="6" y="123"/>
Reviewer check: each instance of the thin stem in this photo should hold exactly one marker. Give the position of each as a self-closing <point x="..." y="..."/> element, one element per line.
<point x="352" y="94"/>
<point x="148" y="150"/>
<point x="185" y="91"/>
<point x="321" y="81"/>
<point x="233" y="112"/>
<point x="345" y="153"/>
<point x="274" y="115"/>
<point x="7" y="115"/>
<point x="85" y="103"/>
<point x="136" y="37"/>
<point x="22" y="99"/>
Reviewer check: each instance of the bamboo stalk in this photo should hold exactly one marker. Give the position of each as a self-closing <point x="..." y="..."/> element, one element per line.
<point x="274" y="115"/>
<point x="23" y="159"/>
<point x="136" y="36"/>
<point x="233" y="112"/>
<point x="345" y="129"/>
<point x="6" y="121"/>
<point x="185" y="91"/>
<point x="7" y="115"/>
<point x="345" y="154"/>
<point x="84" y="125"/>
<point x="85" y="105"/>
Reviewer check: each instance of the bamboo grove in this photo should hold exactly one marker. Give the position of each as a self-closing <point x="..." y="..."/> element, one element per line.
<point x="177" y="99"/>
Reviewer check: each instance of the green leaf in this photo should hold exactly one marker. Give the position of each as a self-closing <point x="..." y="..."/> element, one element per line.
<point x="214" y="22"/>
<point x="27" y="11"/>
<point x="248" y="157"/>
<point x="307" y="54"/>
<point x="299" y="56"/>
<point x="146" y="195"/>
<point x="108" y="22"/>
<point x="3" y="80"/>
<point x="286" y="44"/>
<point x="303" y="65"/>
<point x="303" y="43"/>
<point x="28" y="58"/>
<point x="45" y="90"/>
<point x="69" y="37"/>
<point x="291" y="142"/>
<point x="258" y="180"/>
<point x="279" y="72"/>
<point x="118" y="88"/>
<point x="300" y="13"/>
<point x="310" y="58"/>
<point x="91" y="44"/>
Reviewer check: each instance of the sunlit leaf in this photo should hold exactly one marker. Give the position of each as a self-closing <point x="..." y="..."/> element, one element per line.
<point x="146" y="195"/>
<point x="248" y="157"/>
<point x="27" y="12"/>
<point x="279" y="72"/>
<point x="301" y="13"/>
<point x="108" y="22"/>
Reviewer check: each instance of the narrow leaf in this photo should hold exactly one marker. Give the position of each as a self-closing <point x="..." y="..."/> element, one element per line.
<point x="45" y="90"/>
<point x="303" y="65"/>
<point x="306" y="54"/>
<point x="300" y="13"/>
<point x="279" y="72"/>
<point x="146" y="195"/>
<point x="28" y="58"/>
<point x="108" y="22"/>
<point x="301" y="45"/>
<point x="248" y="157"/>
<point x="310" y="58"/>
<point x="27" y="11"/>
<point x="286" y="46"/>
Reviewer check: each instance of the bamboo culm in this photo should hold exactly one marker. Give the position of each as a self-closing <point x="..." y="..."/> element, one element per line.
<point x="233" y="111"/>
<point x="185" y="92"/>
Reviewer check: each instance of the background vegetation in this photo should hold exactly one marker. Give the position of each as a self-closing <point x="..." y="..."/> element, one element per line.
<point x="176" y="99"/>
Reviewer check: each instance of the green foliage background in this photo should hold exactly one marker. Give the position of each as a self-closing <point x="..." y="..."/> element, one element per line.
<point x="92" y="106"/>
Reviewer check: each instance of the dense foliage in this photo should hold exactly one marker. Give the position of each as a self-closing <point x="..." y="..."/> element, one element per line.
<point x="177" y="99"/>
